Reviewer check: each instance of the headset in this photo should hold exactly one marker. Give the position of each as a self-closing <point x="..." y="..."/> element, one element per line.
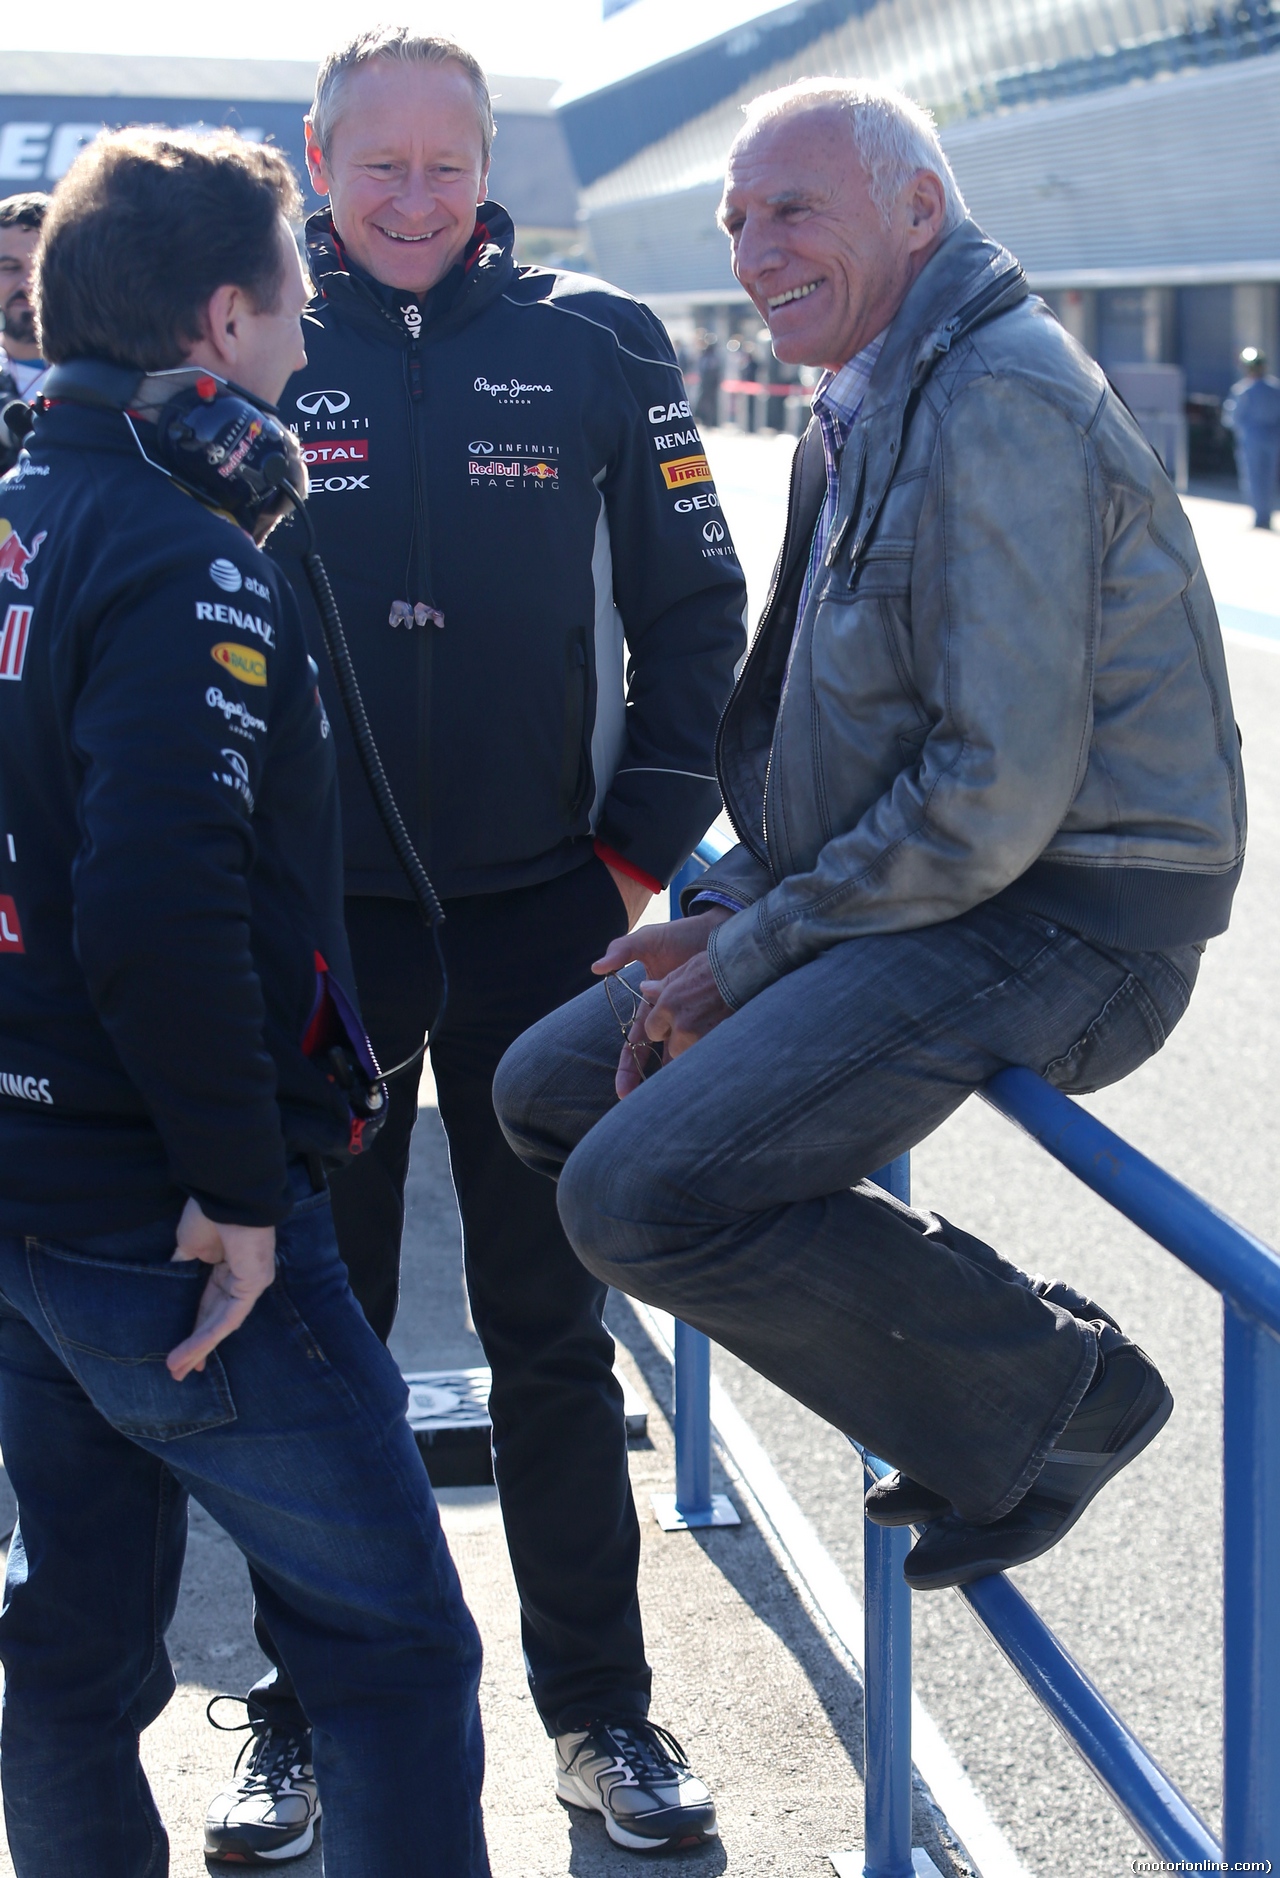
<point x="234" y="452"/>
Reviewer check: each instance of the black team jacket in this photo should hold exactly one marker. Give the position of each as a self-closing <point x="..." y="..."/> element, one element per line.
<point x="171" y="936"/>
<point x="516" y="455"/>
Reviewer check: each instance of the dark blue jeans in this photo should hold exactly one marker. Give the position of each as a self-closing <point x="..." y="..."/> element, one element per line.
<point x="730" y="1188"/>
<point x="294" y="1439"/>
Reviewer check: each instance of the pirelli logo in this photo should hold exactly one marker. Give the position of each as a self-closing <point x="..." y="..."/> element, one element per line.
<point x="686" y="469"/>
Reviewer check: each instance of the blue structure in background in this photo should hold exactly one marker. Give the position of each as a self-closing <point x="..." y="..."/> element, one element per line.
<point x="1247" y="1274"/>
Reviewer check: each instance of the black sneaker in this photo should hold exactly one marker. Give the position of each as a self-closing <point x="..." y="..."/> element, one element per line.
<point x="898" y="1500"/>
<point x="269" y="1814"/>
<point x="1124" y="1409"/>
<point x="638" y="1777"/>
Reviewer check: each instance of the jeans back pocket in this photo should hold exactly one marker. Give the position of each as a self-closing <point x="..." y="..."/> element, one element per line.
<point x="115" y="1323"/>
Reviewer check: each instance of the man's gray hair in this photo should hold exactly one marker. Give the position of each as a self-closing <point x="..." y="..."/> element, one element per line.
<point x="893" y="136"/>
<point x="405" y="47"/>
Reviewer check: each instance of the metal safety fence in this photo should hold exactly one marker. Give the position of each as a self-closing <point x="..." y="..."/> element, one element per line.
<point x="1246" y="1273"/>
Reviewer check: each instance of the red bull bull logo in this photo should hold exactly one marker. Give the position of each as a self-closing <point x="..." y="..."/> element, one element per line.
<point x="15" y="554"/>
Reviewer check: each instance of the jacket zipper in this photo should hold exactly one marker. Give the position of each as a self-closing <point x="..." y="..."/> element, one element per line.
<point x="420" y="579"/>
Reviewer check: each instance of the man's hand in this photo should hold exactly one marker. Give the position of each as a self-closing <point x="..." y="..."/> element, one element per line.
<point x="634" y="897"/>
<point x="681" y="1002"/>
<point x="244" y="1264"/>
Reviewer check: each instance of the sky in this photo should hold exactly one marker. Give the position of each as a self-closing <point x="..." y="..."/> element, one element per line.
<point x="514" y="36"/>
<point x="564" y="39"/>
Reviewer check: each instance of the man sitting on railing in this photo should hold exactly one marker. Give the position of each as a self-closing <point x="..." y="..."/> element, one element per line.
<point x="986" y="780"/>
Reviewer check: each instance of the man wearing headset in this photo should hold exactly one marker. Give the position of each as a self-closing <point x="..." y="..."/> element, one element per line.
<point x="506" y="480"/>
<point x="174" y="1316"/>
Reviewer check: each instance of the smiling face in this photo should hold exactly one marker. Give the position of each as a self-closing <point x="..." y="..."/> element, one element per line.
<point x="811" y="247"/>
<point x="405" y="170"/>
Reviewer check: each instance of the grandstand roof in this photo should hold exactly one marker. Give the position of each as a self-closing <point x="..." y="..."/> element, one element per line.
<point x="1070" y="123"/>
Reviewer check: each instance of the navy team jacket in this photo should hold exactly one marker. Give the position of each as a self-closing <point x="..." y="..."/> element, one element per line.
<point x="518" y="456"/>
<point x="170" y="859"/>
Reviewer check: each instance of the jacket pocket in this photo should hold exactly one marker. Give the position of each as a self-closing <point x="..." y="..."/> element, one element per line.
<point x="114" y="1325"/>
<point x="575" y="767"/>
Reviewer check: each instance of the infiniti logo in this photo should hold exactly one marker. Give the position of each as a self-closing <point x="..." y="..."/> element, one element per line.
<point x="712" y="531"/>
<point x="333" y="402"/>
<point x="482" y="447"/>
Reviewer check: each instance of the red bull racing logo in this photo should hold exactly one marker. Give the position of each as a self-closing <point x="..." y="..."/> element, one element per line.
<point x="545" y="472"/>
<point x="15" y="554"/>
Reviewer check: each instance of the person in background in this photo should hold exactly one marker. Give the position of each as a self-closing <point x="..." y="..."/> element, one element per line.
<point x="1252" y="413"/>
<point x="710" y="378"/>
<point x="508" y="483"/>
<point x="22" y="369"/>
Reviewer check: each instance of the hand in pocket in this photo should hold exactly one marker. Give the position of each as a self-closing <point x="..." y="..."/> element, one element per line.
<point x="244" y="1264"/>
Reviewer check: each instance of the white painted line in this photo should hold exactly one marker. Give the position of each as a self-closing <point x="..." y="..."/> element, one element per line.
<point x="835" y="1601"/>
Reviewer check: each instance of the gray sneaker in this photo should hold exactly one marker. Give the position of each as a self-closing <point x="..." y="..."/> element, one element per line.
<point x="638" y="1776"/>
<point x="268" y="1814"/>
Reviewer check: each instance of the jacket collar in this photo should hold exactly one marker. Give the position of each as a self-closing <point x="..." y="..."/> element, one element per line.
<point x="970" y="279"/>
<point x="488" y="268"/>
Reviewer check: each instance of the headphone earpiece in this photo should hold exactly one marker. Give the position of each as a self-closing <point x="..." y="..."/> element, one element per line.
<point x="216" y="440"/>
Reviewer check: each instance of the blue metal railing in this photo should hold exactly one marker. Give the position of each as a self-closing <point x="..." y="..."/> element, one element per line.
<point x="1247" y="1274"/>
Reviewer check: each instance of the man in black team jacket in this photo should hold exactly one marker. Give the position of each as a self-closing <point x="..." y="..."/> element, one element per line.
<point x="172" y="962"/>
<point x="506" y="480"/>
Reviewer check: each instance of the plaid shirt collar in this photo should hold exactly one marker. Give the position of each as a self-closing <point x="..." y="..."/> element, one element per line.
<point x="836" y="404"/>
<point x="838" y="398"/>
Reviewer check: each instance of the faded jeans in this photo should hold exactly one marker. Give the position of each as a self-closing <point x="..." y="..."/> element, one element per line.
<point x="294" y="1438"/>
<point x="731" y="1189"/>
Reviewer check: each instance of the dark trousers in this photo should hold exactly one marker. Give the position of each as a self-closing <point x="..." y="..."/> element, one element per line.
<point x="309" y="1467"/>
<point x="559" y="1434"/>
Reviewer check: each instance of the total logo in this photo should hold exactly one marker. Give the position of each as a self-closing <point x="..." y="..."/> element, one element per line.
<point x="313" y="402"/>
<point x="15" y="556"/>
<point x="353" y="451"/>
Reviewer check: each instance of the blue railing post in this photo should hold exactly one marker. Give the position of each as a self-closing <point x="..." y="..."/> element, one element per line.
<point x="693" y="1503"/>
<point x="693" y="1424"/>
<point x="1251" y="1589"/>
<point x="886" y="1713"/>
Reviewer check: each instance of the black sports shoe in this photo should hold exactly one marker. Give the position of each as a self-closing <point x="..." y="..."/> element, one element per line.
<point x="898" y="1500"/>
<point x="1124" y="1408"/>
<point x="269" y="1814"/>
<point x="638" y="1777"/>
